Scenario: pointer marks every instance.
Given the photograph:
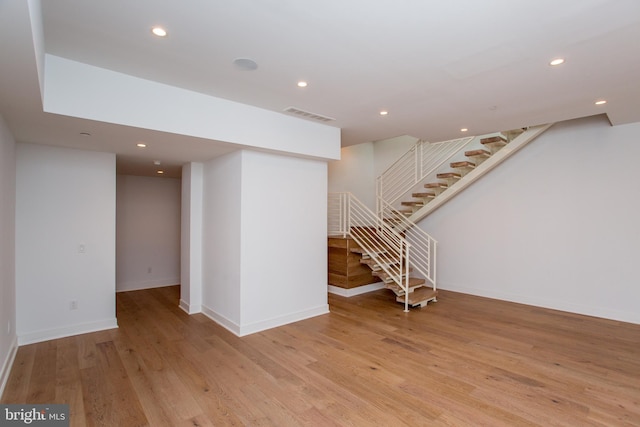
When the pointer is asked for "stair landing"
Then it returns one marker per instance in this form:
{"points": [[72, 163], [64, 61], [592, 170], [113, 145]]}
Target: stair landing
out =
{"points": [[414, 284], [420, 297]]}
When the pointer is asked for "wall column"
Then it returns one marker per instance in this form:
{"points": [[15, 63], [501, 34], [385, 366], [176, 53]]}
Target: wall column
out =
{"points": [[191, 239]]}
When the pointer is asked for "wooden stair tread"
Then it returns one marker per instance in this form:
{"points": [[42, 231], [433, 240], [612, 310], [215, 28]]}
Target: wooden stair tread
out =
{"points": [[385, 276], [423, 195], [414, 284], [420, 296], [392, 219], [477, 153], [413, 203], [494, 140], [462, 164], [376, 265], [436, 184], [448, 175], [359, 250]]}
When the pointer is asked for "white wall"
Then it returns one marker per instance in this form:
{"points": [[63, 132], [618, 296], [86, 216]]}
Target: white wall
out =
{"points": [[387, 151], [221, 253], [284, 240], [360, 165], [8, 338], [264, 240], [65, 242], [556, 225], [354, 173], [191, 238], [147, 232]]}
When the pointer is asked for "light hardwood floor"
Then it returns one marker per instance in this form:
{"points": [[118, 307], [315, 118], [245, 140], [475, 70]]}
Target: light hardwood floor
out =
{"points": [[464, 361]]}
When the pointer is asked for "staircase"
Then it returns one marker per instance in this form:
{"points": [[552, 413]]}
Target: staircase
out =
{"points": [[416, 291], [419, 192], [459, 169], [412, 290], [399, 252], [392, 255]]}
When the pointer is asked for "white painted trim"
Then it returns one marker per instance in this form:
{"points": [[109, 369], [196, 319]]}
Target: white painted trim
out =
{"points": [[604, 313], [67, 331], [184, 306], [263, 325], [8, 364], [355, 291], [149, 284], [221, 320]]}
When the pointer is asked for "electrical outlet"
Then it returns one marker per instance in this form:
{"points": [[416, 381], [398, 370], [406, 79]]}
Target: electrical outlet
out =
{"points": [[73, 305], [81, 248], [149, 270]]}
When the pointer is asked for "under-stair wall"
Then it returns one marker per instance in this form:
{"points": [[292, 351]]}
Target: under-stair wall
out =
{"points": [[556, 225]]}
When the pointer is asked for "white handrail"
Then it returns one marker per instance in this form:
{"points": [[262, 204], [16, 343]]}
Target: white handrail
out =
{"points": [[336, 225], [388, 248], [422, 160], [423, 246]]}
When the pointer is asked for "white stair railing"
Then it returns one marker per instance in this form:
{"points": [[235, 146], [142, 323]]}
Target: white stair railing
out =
{"points": [[388, 248], [423, 246], [422, 160], [389, 237], [337, 219]]}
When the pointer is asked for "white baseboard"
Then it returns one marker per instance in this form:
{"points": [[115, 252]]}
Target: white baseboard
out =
{"points": [[355, 291], [67, 331], [604, 313], [228, 324], [263, 325], [148, 284], [7, 364], [190, 309]]}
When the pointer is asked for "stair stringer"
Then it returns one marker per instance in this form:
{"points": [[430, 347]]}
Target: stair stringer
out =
{"points": [[500, 156]]}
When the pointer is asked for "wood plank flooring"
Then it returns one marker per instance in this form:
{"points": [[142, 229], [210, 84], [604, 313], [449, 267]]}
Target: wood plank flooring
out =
{"points": [[464, 361]]}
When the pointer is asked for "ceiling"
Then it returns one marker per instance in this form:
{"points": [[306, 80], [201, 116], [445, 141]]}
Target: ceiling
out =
{"points": [[435, 66]]}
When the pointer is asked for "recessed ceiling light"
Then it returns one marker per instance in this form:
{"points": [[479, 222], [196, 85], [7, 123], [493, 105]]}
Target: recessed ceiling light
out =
{"points": [[464, 130], [601, 102], [85, 134], [159, 31], [245, 64], [156, 162], [141, 145], [557, 61], [160, 172], [302, 84], [384, 112]]}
